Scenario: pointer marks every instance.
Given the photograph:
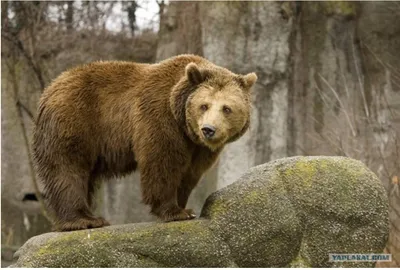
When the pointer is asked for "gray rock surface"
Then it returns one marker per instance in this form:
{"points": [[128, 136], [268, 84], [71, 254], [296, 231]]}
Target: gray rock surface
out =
{"points": [[289, 212], [318, 205]]}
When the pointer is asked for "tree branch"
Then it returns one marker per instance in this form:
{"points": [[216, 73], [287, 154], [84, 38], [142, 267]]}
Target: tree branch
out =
{"points": [[24, 108], [18, 43]]}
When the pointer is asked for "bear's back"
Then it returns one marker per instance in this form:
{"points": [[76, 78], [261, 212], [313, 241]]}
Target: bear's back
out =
{"points": [[86, 107], [93, 107], [100, 101]]}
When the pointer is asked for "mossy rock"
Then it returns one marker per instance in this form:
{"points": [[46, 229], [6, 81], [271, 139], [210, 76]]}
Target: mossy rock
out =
{"points": [[308, 205], [290, 212], [175, 244]]}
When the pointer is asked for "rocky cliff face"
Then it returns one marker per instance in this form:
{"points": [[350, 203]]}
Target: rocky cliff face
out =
{"points": [[252, 37]]}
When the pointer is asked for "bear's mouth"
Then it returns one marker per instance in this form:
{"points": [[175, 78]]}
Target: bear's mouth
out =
{"points": [[213, 142]]}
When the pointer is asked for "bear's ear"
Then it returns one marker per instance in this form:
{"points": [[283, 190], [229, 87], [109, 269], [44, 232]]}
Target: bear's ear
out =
{"points": [[249, 80], [194, 74]]}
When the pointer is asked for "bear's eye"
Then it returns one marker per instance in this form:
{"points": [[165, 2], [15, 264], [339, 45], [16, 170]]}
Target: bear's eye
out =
{"points": [[204, 107], [227, 110]]}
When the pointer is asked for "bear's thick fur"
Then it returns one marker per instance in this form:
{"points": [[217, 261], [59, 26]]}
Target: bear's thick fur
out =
{"points": [[170, 120]]}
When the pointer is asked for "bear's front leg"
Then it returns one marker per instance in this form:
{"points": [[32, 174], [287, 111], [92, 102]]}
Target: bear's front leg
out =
{"points": [[161, 173], [186, 187]]}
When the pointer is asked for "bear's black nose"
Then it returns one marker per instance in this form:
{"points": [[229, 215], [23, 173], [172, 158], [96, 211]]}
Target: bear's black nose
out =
{"points": [[208, 131]]}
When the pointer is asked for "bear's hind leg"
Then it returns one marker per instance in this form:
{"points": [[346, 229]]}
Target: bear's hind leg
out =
{"points": [[67, 195]]}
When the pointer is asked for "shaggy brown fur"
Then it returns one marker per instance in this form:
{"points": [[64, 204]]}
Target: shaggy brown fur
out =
{"points": [[106, 119]]}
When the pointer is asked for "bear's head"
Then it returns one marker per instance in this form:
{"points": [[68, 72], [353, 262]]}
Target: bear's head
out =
{"points": [[212, 104]]}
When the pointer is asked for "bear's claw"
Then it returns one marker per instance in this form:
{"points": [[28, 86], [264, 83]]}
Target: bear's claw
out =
{"points": [[191, 213], [179, 216], [82, 224]]}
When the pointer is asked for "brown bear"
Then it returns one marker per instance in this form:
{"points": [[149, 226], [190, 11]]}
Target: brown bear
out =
{"points": [[169, 120]]}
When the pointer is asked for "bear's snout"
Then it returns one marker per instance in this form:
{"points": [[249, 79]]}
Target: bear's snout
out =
{"points": [[208, 131]]}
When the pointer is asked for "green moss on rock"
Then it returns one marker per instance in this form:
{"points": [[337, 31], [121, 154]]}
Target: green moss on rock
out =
{"points": [[322, 203], [299, 262], [304, 170], [345, 8]]}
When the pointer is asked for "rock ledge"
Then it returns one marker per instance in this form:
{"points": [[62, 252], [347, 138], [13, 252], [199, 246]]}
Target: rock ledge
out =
{"points": [[288, 212]]}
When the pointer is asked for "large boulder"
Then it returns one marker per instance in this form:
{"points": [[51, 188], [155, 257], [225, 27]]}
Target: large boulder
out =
{"points": [[289, 212], [300, 209]]}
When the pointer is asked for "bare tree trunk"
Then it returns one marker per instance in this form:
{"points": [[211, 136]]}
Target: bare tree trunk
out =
{"points": [[131, 10], [28, 20], [4, 14], [69, 18]]}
